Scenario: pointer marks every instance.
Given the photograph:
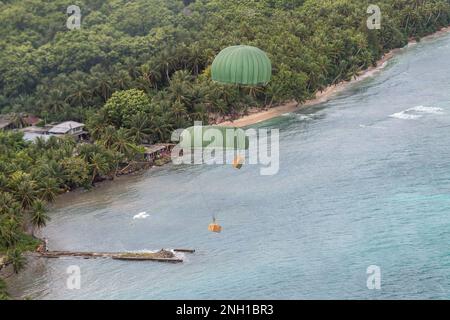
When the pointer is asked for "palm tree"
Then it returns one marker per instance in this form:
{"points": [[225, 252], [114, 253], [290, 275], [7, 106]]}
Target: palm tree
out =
{"points": [[67, 145], [39, 217], [104, 85], [3, 293], [52, 142], [48, 189], [161, 128], [52, 168], [25, 193], [87, 150], [151, 74], [179, 112], [10, 218], [14, 215], [55, 102], [40, 143], [121, 80], [140, 130], [196, 57], [130, 64], [99, 165], [15, 258], [124, 143], [6, 201], [200, 113], [108, 137], [9, 232], [116, 158], [17, 120], [168, 60], [3, 182], [96, 124], [80, 90]]}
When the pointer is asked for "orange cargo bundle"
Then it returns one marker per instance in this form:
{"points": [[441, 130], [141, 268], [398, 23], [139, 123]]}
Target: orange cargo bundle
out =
{"points": [[238, 162], [214, 227]]}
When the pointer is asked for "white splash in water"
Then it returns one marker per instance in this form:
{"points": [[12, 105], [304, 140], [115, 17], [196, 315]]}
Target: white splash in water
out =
{"points": [[405, 116], [301, 117], [422, 109], [142, 215], [371, 126], [416, 112]]}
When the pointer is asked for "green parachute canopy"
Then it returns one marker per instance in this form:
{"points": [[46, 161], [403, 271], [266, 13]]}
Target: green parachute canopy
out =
{"points": [[228, 138], [243, 65]]}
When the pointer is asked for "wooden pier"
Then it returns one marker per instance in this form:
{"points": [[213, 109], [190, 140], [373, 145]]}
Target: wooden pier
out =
{"points": [[184, 250], [160, 256]]}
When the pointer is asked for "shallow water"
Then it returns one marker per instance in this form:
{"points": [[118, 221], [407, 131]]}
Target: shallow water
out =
{"points": [[363, 180]]}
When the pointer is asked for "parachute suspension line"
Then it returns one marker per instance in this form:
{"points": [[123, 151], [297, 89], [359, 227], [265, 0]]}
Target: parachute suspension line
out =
{"points": [[207, 208]]}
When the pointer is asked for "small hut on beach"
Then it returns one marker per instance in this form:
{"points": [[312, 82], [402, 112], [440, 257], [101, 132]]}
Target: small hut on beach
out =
{"points": [[157, 151]]}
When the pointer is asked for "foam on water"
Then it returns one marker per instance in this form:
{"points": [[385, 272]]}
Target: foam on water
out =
{"points": [[371, 126], [405, 116], [422, 109], [141, 215], [416, 112], [301, 117]]}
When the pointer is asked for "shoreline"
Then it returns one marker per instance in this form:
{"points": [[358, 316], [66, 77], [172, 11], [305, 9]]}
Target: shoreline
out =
{"points": [[328, 93], [273, 112], [260, 116]]}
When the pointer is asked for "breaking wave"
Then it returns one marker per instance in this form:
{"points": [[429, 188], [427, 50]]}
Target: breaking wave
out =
{"points": [[301, 117], [416, 112]]}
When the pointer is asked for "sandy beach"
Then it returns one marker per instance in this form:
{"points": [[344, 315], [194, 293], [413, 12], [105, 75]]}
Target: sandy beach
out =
{"points": [[325, 95]]}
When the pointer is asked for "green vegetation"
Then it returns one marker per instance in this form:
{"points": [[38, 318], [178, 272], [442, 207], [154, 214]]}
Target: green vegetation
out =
{"points": [[165, 49], [3, 292], [137, 70], [33, 174]]}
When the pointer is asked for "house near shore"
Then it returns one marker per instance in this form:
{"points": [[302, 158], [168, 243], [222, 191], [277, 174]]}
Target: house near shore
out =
{"points": [[28, 125], [17, 121], [69, 128], [5, 124], [156, 151]]}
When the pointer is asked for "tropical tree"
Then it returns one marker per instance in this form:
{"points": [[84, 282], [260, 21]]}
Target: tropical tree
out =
{"points": [[108, 137], [16, 259], [48, 189], [139, 128], [124, 143], [25, 193], [150, 75], [124, 104], [99, 166], [3, 293], [76, 172], [17, 120], [39, 217], [10, 232]]}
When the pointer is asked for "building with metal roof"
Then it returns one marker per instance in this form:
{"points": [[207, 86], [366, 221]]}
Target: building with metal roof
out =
{"points": [[72, 128]]}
